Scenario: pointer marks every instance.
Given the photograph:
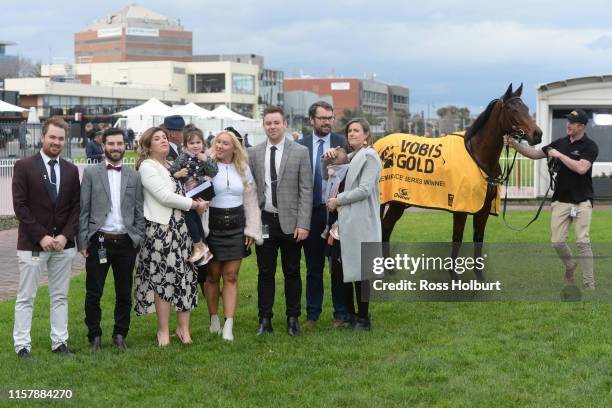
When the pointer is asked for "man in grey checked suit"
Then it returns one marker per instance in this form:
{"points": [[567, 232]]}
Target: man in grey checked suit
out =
{"points": [[111, 228], [283, 174]]}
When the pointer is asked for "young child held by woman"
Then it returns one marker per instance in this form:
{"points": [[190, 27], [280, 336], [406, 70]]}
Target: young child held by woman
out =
{"points": [[193, 167]]}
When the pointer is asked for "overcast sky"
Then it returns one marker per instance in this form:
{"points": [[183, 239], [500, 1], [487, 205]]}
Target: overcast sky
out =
{"points": [[447, 52]]}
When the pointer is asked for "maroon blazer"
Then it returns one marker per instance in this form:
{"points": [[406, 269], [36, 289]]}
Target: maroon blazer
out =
{"points": [[33, 204]]}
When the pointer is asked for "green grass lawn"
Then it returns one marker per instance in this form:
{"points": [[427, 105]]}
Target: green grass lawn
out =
{"points": [[544, 354]]}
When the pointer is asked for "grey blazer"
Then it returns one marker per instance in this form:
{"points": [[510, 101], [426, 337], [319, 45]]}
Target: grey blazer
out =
{"points": [[294, 187], [96, 203]]}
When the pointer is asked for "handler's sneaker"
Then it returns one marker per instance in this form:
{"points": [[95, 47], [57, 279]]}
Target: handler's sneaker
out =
{"points": [[569, 274]]}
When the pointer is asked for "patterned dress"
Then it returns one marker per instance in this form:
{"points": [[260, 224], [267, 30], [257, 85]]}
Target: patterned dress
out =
{"points": [[162, 265]]}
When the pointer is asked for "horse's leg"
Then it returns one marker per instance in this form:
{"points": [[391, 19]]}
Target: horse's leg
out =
{"points": [[480, 222], [389, 218], [459, 219]]}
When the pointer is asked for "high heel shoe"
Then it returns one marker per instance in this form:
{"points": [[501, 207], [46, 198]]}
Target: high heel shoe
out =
{"points": [[186, 340], [197, 252], [161, 341]]}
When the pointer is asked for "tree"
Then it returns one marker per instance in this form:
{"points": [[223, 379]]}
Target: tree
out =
{"points": [[453, 118], [20, 67], [348, 114]]}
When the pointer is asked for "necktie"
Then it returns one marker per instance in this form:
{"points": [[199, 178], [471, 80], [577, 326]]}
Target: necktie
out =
{"points": [[317, 190], [53, 178], [111, 167], [273, 177]]}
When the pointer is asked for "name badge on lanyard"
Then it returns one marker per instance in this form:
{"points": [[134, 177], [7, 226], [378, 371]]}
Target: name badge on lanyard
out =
{"points": [[102, 250]]}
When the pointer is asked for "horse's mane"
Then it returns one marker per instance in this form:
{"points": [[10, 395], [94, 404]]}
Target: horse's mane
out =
{"points": [[480, 120]]}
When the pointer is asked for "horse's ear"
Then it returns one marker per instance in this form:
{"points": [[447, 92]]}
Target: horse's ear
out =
{"points": [[508, 93], [519, 90]]}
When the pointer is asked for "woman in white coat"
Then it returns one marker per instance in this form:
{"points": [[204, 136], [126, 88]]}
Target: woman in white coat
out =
{"points": [[358, 207], [164, 277]]}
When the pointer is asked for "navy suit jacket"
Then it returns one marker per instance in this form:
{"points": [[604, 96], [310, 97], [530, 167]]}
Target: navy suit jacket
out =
{"points": [[335, 141]]}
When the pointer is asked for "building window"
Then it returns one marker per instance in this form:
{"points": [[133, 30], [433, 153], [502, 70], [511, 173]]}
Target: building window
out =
{"points": [[244, 109], [206, 83], [191, 83], [243, 84]]}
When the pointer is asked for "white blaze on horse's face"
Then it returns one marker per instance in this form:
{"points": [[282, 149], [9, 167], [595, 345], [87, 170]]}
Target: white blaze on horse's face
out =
{"points": [[356, 136]]}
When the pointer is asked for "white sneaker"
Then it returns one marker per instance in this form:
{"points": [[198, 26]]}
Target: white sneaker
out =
{"points": [[215, 325], [227, 330]]}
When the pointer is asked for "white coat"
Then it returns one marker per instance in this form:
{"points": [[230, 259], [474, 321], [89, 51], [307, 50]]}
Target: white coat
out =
{"points": [[359, 210]]}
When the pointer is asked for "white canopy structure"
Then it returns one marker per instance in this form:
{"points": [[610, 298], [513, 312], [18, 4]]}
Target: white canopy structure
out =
{"points": [[152, 107], [191, 109], [223, 112], [7, 107]]}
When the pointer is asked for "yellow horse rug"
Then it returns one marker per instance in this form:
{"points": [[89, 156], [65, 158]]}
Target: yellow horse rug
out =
{"points": [[433, 173]]}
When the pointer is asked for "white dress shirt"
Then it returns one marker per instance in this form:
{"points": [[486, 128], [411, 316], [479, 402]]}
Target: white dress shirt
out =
{"points": [[114, 220], [268, 179], [55, 168]]}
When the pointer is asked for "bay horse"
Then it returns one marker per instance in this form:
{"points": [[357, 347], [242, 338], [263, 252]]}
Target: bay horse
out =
{"points": [[507, 115]]}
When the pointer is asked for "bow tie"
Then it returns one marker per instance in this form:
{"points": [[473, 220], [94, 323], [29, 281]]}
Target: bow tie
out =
{"points": [[111, 167]]}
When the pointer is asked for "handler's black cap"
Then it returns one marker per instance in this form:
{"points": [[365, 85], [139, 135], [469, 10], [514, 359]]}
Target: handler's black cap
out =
{"points": [[578, 116]]}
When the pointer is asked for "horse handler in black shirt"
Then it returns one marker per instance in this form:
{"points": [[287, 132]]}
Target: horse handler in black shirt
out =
{"points": [[572, 201]]}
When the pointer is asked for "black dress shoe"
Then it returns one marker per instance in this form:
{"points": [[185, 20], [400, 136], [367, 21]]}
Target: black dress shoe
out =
{"points": [[362, 324], [63, 349], [24, 354], [265, 326], [293, 328], [119, 341], [95, 344]]}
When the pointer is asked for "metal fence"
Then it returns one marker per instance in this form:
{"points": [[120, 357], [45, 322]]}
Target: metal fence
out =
{"points": [[6, 177], [521, 185], [20, 139], [522, 178]]}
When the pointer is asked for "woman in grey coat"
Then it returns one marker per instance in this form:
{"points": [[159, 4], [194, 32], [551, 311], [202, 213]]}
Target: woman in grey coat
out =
{"points": [[358, 207]]}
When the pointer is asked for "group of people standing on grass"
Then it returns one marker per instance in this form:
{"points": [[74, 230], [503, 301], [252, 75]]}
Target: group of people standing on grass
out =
{"points": [[279, 195]]}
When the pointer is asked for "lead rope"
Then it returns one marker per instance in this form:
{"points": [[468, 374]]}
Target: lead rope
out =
{"points": [[551, 185]]}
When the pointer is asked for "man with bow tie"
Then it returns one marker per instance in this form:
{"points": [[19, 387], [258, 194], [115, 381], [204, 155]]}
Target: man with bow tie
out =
{"points": [[111, 228], [46, 203]]}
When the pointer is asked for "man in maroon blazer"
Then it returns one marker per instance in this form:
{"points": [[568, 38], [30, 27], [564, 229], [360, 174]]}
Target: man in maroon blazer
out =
{"points": [[46, 202]]}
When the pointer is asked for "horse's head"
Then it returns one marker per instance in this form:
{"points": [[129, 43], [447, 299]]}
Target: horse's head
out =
{"points": [[516, 118]]}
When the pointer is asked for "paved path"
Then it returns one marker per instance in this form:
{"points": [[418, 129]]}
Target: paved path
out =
{"points": [[9, 270]]}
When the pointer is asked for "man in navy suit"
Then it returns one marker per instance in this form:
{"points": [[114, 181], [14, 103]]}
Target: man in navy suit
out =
{"points": [[321, 116], [46, 202]]}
